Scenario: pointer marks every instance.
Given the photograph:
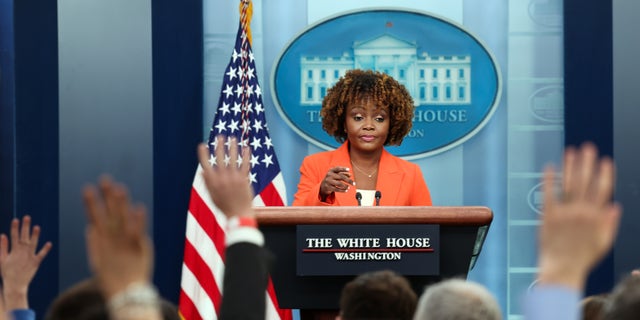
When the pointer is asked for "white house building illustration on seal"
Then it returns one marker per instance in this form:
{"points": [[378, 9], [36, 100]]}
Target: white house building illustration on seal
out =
{"points": [[431, 80]]}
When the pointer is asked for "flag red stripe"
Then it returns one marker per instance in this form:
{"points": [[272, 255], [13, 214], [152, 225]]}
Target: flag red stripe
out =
{"points": [[285, 314], [188, 310], [207, 221], [203, 274], [270, 196]]}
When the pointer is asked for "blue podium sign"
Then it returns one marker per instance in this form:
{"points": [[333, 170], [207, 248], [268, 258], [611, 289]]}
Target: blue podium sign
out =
{"points": [[324, 250]]}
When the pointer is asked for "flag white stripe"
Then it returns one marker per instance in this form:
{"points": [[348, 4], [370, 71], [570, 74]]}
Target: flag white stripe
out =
{"points": [[206, 249], [198, 296], [257, 201], [278, 183], [271, 312]]}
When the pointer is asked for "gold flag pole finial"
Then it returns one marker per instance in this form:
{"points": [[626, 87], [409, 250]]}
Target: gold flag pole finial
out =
{"points": [[246, 12]]}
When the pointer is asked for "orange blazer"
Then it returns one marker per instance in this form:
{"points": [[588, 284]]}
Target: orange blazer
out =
{"points": [[399, 181]]}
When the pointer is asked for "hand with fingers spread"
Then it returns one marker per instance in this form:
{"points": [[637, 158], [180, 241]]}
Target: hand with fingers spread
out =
{"points": [[119, 249], [3, 311], [338, 179], [19, 265], [579, 227], [228, 185]]}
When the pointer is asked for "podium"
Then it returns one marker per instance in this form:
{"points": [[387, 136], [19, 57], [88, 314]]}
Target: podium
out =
{"points": [[462, 233]]}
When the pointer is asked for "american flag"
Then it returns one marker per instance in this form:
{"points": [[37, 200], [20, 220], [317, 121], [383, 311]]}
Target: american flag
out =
{"points": [[240, 113]]}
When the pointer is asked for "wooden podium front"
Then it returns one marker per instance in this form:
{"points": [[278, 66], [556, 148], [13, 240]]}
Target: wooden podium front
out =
{"points": [[462, 233]]}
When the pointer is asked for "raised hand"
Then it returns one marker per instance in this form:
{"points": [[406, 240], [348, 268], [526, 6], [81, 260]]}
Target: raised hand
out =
{"points": [[19, 265], [119, 249], [228, 184], [580, 224], [3, 312]]}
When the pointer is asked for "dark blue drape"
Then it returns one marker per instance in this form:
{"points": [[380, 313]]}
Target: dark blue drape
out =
{"points": [[588, 92], [177, 129], [29, 122]]}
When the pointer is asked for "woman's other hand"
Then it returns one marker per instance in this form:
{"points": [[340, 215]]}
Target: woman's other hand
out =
{"points": [[338, 179]]}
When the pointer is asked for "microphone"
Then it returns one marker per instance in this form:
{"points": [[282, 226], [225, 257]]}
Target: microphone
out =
{"points": [[359, 198], [378, 196]]}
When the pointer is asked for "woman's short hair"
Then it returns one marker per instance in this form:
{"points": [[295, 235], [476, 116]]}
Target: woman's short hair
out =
{"points": [[357, 85]]}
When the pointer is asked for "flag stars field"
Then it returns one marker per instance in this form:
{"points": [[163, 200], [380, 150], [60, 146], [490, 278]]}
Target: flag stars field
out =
{"points": [[221, 126], [233, 126], [255, 144], [257, 125], [267, 142], [254, 160], [231, 73], [225, 108], [228, 91], [237, 108]]}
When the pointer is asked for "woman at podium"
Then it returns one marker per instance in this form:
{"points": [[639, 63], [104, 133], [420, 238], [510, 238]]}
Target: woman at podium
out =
{"points": [[365, 111]]}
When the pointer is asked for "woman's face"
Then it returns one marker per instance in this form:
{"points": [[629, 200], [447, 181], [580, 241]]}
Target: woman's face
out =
{"points": [[367, 125]]}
